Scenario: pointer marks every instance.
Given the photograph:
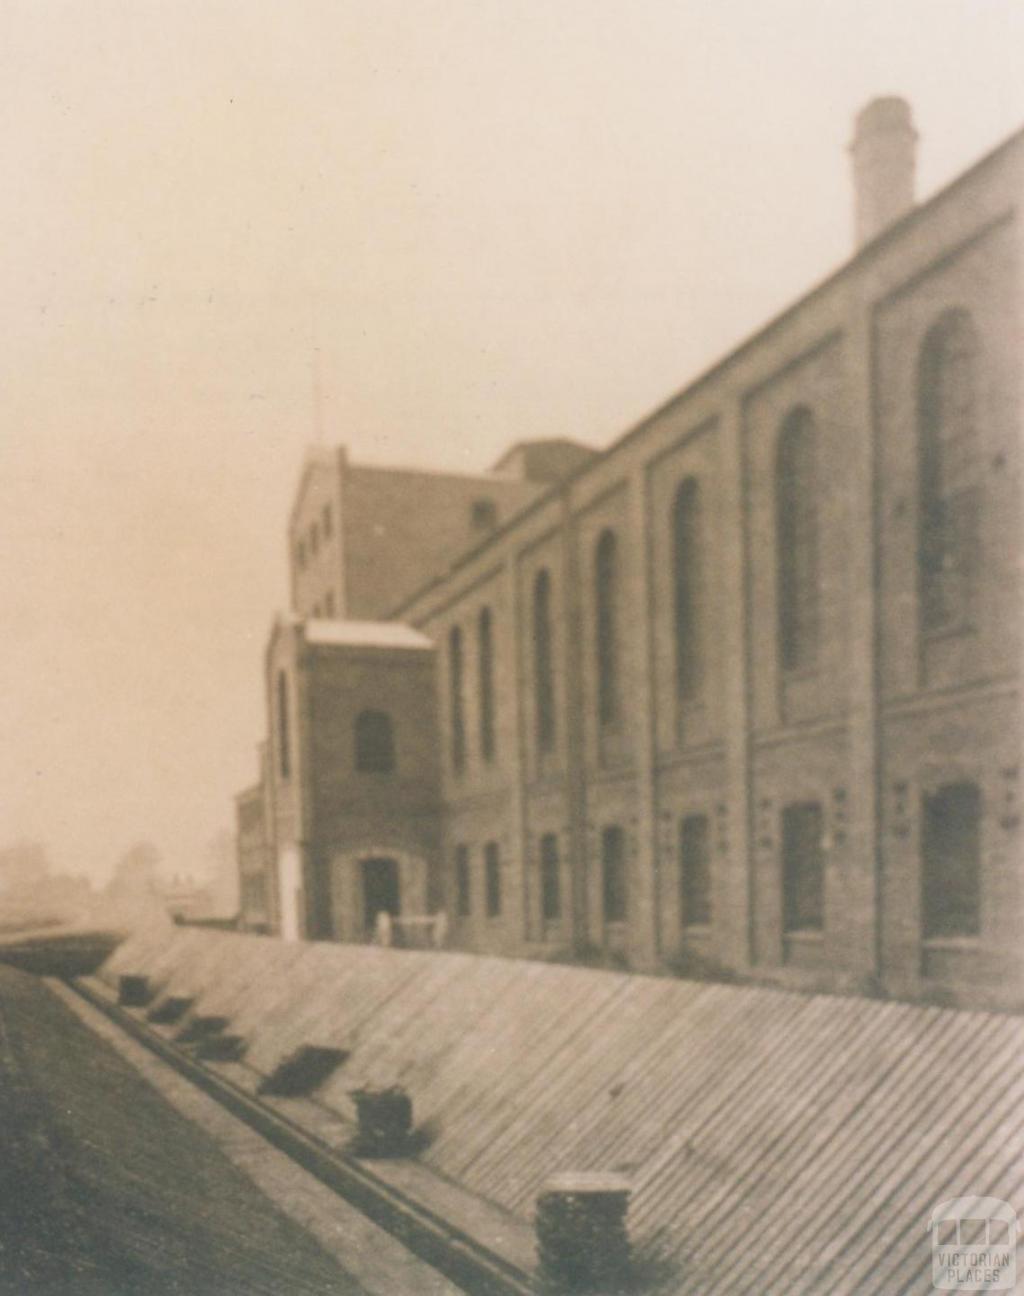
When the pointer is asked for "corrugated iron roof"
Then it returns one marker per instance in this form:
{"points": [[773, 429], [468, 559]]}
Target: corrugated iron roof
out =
{"points": [[776, 1142]]}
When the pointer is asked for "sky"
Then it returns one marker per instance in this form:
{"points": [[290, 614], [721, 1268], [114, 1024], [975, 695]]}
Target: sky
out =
{"points": [[487, 219]]}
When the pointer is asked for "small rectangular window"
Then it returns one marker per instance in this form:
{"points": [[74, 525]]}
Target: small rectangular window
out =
{"points": [[492, 866], [325, 521], [484, 514], [329, 603]]}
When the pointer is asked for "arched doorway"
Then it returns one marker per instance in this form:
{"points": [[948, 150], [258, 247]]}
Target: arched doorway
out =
{"points": [[381, 890]]}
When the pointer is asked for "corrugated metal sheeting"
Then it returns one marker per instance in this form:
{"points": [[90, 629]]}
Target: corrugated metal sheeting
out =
{"points": [[776, 1142]]}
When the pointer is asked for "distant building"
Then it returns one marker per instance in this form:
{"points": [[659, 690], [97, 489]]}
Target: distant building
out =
{"points": [[740, 693]]}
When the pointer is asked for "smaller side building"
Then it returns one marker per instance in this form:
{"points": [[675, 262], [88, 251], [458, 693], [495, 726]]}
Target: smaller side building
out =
{"points": [[352, 777]]}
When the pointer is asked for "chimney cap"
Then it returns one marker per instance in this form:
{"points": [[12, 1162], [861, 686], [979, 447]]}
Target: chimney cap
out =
{"points": [[882, 115]]}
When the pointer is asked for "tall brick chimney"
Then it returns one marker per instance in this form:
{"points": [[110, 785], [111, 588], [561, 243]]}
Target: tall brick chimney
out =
{"points": [[883, 152]]}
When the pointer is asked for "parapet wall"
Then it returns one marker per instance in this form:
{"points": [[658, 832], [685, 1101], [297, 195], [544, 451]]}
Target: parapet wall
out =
{"points": [[774, 1141]]}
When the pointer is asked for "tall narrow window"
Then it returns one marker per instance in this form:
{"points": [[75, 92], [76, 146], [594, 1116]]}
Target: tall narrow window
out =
{"points": [[375, 743], [284, 754], [543, 662], [606, 628], [550, 879], [485, 645], [796, 531], [492, 879], [456, 715], [803, 867], [463, 894], [326, 521], [949, 508], [686, 580], [950, 872], [613, 874], [695, 870]]}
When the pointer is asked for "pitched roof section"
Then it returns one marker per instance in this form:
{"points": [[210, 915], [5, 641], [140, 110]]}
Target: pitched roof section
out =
{"points": [[775, 1142]]}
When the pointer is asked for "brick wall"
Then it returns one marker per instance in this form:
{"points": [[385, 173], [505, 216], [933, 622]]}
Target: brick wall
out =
{"points": [[759, 737]]}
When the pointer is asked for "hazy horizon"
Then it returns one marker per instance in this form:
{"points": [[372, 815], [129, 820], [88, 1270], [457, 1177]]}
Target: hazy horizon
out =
{"points": [[493, 222]]}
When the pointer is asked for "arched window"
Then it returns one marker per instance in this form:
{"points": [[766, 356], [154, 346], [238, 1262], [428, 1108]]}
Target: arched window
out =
{"points": [[284, 754], [492, 879], [949, 507], [686, 573], [613, 874], [485, 646], [695, 870], [457, 717], [803, 867], [606, 595], [543, 663], [375, 743], [796, 531], [950, 859], [550, 879]]}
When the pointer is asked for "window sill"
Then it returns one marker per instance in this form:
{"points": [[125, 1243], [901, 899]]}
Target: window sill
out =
{"points": [[805, 936], [967, 944], [697, 929]]}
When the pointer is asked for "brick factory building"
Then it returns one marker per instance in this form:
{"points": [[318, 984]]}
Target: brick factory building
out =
{"points": [[739, 694]]}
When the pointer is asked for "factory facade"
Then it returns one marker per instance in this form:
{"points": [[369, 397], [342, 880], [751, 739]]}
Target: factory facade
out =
{"points": [[738, 696]]}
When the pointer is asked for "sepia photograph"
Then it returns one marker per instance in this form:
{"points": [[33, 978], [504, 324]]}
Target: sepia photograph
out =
{"points": [[511, 547]]}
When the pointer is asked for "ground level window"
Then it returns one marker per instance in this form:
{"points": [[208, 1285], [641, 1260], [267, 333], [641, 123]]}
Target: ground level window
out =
{"points": [[463, 894], [492, 878], [950, 859], [803, 867], [695, 868], [613, 874], [435, 887], [550, 879]]}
